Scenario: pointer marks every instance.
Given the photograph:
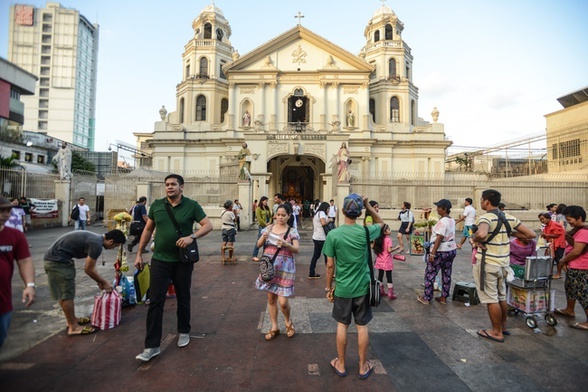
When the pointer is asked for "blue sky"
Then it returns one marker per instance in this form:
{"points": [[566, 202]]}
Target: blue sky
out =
{"points": [[492, 68]]}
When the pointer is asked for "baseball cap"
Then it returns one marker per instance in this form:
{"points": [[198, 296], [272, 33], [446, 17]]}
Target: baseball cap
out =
{"points": [[443, 203], [5, 203], [352, 205]]}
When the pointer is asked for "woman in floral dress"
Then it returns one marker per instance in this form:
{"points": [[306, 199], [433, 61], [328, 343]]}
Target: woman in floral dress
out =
{"points": [[282, 285]]}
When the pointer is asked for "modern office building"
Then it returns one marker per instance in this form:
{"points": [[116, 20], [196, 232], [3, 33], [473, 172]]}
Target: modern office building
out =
{"points": [[60, 46], [15, 84]]}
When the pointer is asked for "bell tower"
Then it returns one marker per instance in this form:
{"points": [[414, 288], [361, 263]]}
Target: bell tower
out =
{"points": [[393, 97], [202, 95]]}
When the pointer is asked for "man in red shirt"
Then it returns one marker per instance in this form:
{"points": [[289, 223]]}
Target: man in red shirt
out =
{"points": [[13, 247], [555, 235]]}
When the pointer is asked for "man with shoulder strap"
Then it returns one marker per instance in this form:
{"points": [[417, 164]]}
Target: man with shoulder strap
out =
{"points": [[492, 260], [139, 214], [166, 263]]}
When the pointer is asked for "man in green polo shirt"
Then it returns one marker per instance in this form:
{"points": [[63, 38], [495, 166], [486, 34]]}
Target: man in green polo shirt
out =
{"points": [[166, 264], [346, 248]]}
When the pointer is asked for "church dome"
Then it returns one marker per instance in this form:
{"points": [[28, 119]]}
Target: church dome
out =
{"points": [[383, 10], [211, 8]]}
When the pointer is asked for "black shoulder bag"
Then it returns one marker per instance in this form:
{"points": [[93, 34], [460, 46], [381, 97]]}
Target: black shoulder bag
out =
{"points": [[266, 263], [189, 254], [501, 220], [374, 283]]}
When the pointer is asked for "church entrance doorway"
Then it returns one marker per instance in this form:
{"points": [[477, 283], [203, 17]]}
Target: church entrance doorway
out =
{"points": [[298, 177]]}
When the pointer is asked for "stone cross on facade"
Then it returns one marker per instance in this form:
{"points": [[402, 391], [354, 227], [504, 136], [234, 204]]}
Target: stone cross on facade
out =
{"points": [[299, 16]]}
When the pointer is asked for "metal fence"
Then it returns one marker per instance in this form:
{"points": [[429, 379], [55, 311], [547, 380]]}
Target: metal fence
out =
{"points": [[207, 187], [16, 182], [420, 189]]}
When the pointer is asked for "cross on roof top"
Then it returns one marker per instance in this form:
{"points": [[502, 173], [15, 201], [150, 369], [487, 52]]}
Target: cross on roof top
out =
{"points": [[299, 16]]}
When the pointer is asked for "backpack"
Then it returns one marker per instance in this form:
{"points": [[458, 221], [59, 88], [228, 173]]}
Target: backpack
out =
{"points": [[75, 213]]}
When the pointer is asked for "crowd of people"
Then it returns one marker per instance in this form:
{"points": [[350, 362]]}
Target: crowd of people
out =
{"points": [[497, 239]]}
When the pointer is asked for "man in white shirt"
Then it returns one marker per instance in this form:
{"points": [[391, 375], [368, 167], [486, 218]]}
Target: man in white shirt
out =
{"points": [[469, 216], [84, 215], [332, 210], [237, 210]]}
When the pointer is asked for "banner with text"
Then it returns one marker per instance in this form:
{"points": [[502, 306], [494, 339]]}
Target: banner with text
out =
{"points": [[44, 208]]}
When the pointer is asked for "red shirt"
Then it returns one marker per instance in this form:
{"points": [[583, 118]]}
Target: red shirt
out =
{"points": [[556, 229], [13, 246], [580, 262]]}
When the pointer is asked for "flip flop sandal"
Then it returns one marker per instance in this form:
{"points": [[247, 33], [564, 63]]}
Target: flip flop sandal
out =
{"points": [[340, 374], [579, 326], [84, 320], [562, 313], [486, 335], [422, 300], [87, 330], [367, 374]]}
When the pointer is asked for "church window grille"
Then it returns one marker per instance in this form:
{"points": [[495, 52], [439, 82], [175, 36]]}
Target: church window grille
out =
{"points": [[201, 108], [412, 113], [388, 32], [377, 36], [220, 71], [373, 109], [187, 71], [224, 108], [219, 34], [207, 31], [392, 67], [203, 67], [394, 110]]}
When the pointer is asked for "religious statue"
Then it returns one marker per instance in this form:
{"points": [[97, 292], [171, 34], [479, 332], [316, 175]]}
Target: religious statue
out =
{"points": [[435, 114], [350, 119], [243, 161], [162, 113], [246, 119], [343, 162], [236, 55], [63, 161]]}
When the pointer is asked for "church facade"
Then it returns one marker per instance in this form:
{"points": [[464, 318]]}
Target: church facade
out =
{"points": [[295, 100]]}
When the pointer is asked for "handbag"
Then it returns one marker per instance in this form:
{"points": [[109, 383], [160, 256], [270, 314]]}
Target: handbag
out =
{"points": [[189, 254], [136, 228], [141, 282], [107, 310], [374, 283], [328, 227], [266, 263]]}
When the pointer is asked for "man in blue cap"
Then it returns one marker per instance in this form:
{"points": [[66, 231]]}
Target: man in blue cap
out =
{"points": [[347, 248]]}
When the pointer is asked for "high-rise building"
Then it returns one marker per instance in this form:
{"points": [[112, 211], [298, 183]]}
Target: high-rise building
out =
{"points": [[60, 46]]}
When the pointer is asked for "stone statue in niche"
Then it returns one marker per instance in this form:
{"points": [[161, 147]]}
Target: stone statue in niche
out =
{"points": [[350, 119], [246, 119]]}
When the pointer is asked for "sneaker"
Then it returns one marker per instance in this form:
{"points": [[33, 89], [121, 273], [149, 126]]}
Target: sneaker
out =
{"points": [[148, 353], [183, 339], [315, 276]]}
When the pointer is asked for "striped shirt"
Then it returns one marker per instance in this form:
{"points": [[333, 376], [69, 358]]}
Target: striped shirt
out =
{"points": [[497, 250]]}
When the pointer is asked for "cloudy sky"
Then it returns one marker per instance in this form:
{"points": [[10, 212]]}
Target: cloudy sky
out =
{"points": [[492, 68]]}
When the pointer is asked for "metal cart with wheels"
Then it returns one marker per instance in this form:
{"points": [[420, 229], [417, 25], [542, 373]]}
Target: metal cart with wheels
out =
{"points": [[531, 294]]}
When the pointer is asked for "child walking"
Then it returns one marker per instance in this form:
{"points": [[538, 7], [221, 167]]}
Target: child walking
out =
{"points": [[384, 263]]}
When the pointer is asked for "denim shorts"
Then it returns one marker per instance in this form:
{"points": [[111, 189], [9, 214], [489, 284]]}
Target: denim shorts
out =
{"points": [[229, 235]]}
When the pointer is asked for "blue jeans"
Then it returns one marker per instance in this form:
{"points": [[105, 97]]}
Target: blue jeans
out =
{"points": [[4, 325], [80, 224], [255, 247]]}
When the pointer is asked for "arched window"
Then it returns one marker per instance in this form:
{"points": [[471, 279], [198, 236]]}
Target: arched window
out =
{"points": [[392, 67], [373, 109], [201, 108], [377, 36], [207, 31], [394, 110], [224, 108], [388, 32], [203, 67], [181, 110], [412, 112]]}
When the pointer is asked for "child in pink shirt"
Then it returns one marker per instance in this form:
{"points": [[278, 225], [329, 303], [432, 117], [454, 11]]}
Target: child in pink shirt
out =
{"points": [[384, 263]]}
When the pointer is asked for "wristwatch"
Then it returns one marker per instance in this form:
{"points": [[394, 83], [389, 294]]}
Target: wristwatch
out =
{"points": [[193, 236], [31, 285]]}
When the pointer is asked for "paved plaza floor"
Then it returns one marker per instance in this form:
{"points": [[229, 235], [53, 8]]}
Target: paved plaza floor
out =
{"points": [[412, 346]]}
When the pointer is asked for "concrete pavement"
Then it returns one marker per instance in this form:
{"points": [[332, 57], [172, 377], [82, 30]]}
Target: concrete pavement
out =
{"points": [[413, 347]]}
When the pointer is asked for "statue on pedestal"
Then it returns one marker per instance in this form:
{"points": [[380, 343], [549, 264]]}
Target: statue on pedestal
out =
{"points": [[343, 162], [244, 163], [162, 113], [435, 114], [63, 161]]}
